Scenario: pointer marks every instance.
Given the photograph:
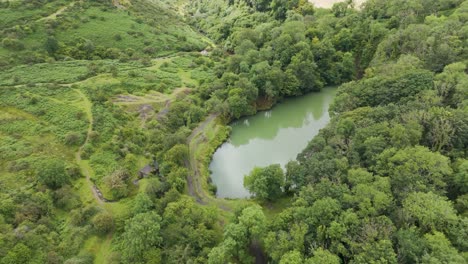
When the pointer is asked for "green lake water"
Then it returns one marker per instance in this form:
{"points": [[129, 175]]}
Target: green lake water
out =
{"points": [[269, 137]]}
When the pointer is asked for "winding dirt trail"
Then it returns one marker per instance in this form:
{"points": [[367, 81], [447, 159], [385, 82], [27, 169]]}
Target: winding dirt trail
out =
{"points": [[330, 3], [195, 187], [79, 161], [57, 13]]}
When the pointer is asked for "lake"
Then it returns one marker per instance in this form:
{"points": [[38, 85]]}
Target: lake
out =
{"points": [[269, 137]]}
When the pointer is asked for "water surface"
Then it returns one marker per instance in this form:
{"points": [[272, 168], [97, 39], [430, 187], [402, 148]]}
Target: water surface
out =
{"points": [[269, 137]]}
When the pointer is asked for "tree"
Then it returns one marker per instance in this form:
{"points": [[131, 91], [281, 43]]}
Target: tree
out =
{"points": [[238, 104], [278, 243], [440, 250], [178, 154], [304, 68], [12, 44], [292, 257], [429, 211], [440, 127], [377, 252], [414, 169], [345, 128], [265, 183], [103, 222], [280, 7], [177, 178], [295, 176], [117, 183], [142, 203], [73, 139], [323, 256], [141, 234], [446, 83], [52, 173], [19, 254], [51, 45], [460, 178], [411, 245], [239, 236]]}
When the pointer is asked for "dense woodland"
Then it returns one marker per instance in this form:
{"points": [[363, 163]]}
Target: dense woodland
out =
{"points": [[92, 91]]}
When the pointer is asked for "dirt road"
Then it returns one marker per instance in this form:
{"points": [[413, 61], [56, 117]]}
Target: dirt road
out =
{"points": [[195, 187], [329, 3]]}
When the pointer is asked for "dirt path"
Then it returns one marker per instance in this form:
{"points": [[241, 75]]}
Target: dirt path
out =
{"points": [[121, 4], [79, 161], [195, 187], [58, 12], [330, 3], [202, 126]]}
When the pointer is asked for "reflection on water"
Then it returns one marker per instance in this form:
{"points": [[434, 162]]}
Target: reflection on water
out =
{"points": [[294, 113], [270, 137]]}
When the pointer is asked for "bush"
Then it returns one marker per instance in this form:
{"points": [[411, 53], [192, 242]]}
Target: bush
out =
{"points": [[12, 44], [73, 139], [149, 50], [52, 173], [103, 222], [51, 45], [117, 183], [65, 198], [118, 37]]}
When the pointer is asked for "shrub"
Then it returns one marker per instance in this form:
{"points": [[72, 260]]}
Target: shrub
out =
{"points": [[52, 173], [73, 139], [51, 45], [118, 37], [12, 44], [117, 183], [103, 222], [149, 50]]}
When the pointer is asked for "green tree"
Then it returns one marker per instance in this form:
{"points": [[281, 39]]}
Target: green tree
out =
{"points": [[440, 250], [292, 257], [411, 245], [141, 234], [460, 178], [177, 178], [414, 169], [278, 243], [265, 183], [238, 103], [323, 256], [377, 252], [446, 83], [52, 173], [178, 154], [142, 203], [19, 254], [51, 45], [295, 177], [429, 211], [345, 128], [103, 222], [248, 228], [440, 127], [117, 183]]}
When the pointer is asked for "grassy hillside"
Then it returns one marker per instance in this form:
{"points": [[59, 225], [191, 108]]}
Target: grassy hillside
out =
{"points": [[83, 87], [57, 30]]}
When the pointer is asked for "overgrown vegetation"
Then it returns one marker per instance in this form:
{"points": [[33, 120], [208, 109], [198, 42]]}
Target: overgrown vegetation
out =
{"points": [[92, 91]]}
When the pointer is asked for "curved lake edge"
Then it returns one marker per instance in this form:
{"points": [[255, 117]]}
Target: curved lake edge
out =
{"points": [[213, 187]]}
